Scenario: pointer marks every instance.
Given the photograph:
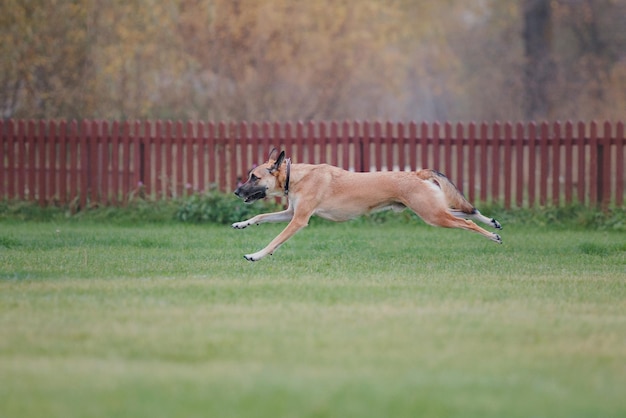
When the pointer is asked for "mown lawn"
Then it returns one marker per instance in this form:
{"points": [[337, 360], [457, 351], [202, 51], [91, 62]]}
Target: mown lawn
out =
{"points": [[353, 319]]}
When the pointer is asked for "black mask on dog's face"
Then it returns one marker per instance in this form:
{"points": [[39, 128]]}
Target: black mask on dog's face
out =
{"points": [[260, 180]]}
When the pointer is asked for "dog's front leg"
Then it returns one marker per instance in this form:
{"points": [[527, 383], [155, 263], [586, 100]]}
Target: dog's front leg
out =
{"points": [[282, 216], [296, 224]]}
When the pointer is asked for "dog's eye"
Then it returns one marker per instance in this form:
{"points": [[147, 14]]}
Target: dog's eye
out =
{"points": [[253, 177]]}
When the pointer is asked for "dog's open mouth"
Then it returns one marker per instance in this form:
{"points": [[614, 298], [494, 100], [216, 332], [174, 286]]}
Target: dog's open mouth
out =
{"points": [[255, 196]]}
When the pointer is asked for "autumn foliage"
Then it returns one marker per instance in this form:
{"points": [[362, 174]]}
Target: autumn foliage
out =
{"points": [[315, 59]]}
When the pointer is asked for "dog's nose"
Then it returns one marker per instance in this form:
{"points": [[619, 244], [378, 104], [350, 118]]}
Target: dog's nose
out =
{"points": [[237, 191]]}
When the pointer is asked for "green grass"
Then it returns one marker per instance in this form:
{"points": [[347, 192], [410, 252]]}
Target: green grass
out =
{"points": [[402, 320]]}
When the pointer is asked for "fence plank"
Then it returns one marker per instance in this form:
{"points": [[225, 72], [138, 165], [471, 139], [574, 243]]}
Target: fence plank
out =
{"points": [[288, 139], [389, 146], [41, 147], [74, 173], [532, 166], [366, 142], [333, 144], [424, 145], [137, 158], [11, 162], [544, 163], [211, 144], [447, 150], [580, 141], [604, 183], [376, 131], [245, 140], [460, 159], [413, 146], [179, 184], [356, 144], [232, 166], [620, 147], [471, 154], [63, 153], [556, 164], [5, 140], [221, 154], [146, 161], [519, 164], [103, 151], [495, 161], [345, 144], [484, 161], [508, 164], [201, 147], [21, 160], [190, 154], [126, 167], [436, 147], [401, 147], [593, 164], [569, 129]]}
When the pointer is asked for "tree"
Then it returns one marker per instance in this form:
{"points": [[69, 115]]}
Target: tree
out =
{"points": [[538, 52]]}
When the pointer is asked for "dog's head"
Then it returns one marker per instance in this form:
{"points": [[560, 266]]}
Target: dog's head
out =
{"points": [[263, 180]]}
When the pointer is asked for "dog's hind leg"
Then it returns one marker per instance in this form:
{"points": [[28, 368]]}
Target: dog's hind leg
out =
{"points": [[435, 213], [476, 216], [447, 220]]}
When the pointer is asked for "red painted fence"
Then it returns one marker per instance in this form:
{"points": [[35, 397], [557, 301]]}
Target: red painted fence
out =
{"points": [[102, 163]]}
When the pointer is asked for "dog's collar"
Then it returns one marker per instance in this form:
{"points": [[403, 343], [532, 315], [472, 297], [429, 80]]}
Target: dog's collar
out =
{"points": [[288, 175]]}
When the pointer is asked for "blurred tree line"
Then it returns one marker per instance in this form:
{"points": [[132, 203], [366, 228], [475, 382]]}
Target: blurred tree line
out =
{"points": [[315, 59]]}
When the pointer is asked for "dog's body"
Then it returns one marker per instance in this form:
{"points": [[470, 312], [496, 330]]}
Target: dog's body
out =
{"points": [[339, 195]]}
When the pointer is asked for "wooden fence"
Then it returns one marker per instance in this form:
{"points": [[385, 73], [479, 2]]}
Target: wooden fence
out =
{"points": [[103, 163]]}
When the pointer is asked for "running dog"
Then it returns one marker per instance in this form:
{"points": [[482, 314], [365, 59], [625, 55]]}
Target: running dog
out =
{"points": [[339, 195]]}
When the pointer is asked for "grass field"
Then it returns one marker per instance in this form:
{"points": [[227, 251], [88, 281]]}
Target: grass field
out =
{"points": [[392, 320]]}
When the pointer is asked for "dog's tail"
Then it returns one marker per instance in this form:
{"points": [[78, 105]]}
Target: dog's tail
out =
{"points": [[454, 198]]}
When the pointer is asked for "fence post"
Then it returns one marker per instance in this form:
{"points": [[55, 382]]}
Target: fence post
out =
{"points": [[594, 175], [604, 166], [580, 142], [544, 161], [413, 146], [73, 170], [519, 156], [484, 162], [42, 163], [619, 165], [568, 162], [508, 164], [471, 151], [460, 160], [556, 163], [532, 160], [495, 160], [11, 160], [363, 157]]}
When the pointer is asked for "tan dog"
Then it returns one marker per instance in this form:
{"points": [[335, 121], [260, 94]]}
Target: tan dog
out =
{"points": [[339, 195]]}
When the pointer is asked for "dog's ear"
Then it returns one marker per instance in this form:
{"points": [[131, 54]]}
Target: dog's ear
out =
{"points": [[278, 162], [269, 156]]}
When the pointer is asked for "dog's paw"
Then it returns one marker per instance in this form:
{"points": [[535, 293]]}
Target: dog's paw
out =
{"points": [[496, 238], [240, 225], [255, 257], [496, 224], [252, 257]]}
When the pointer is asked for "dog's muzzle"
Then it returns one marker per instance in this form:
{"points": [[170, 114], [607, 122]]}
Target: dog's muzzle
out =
{"points": [[250, 194]]}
